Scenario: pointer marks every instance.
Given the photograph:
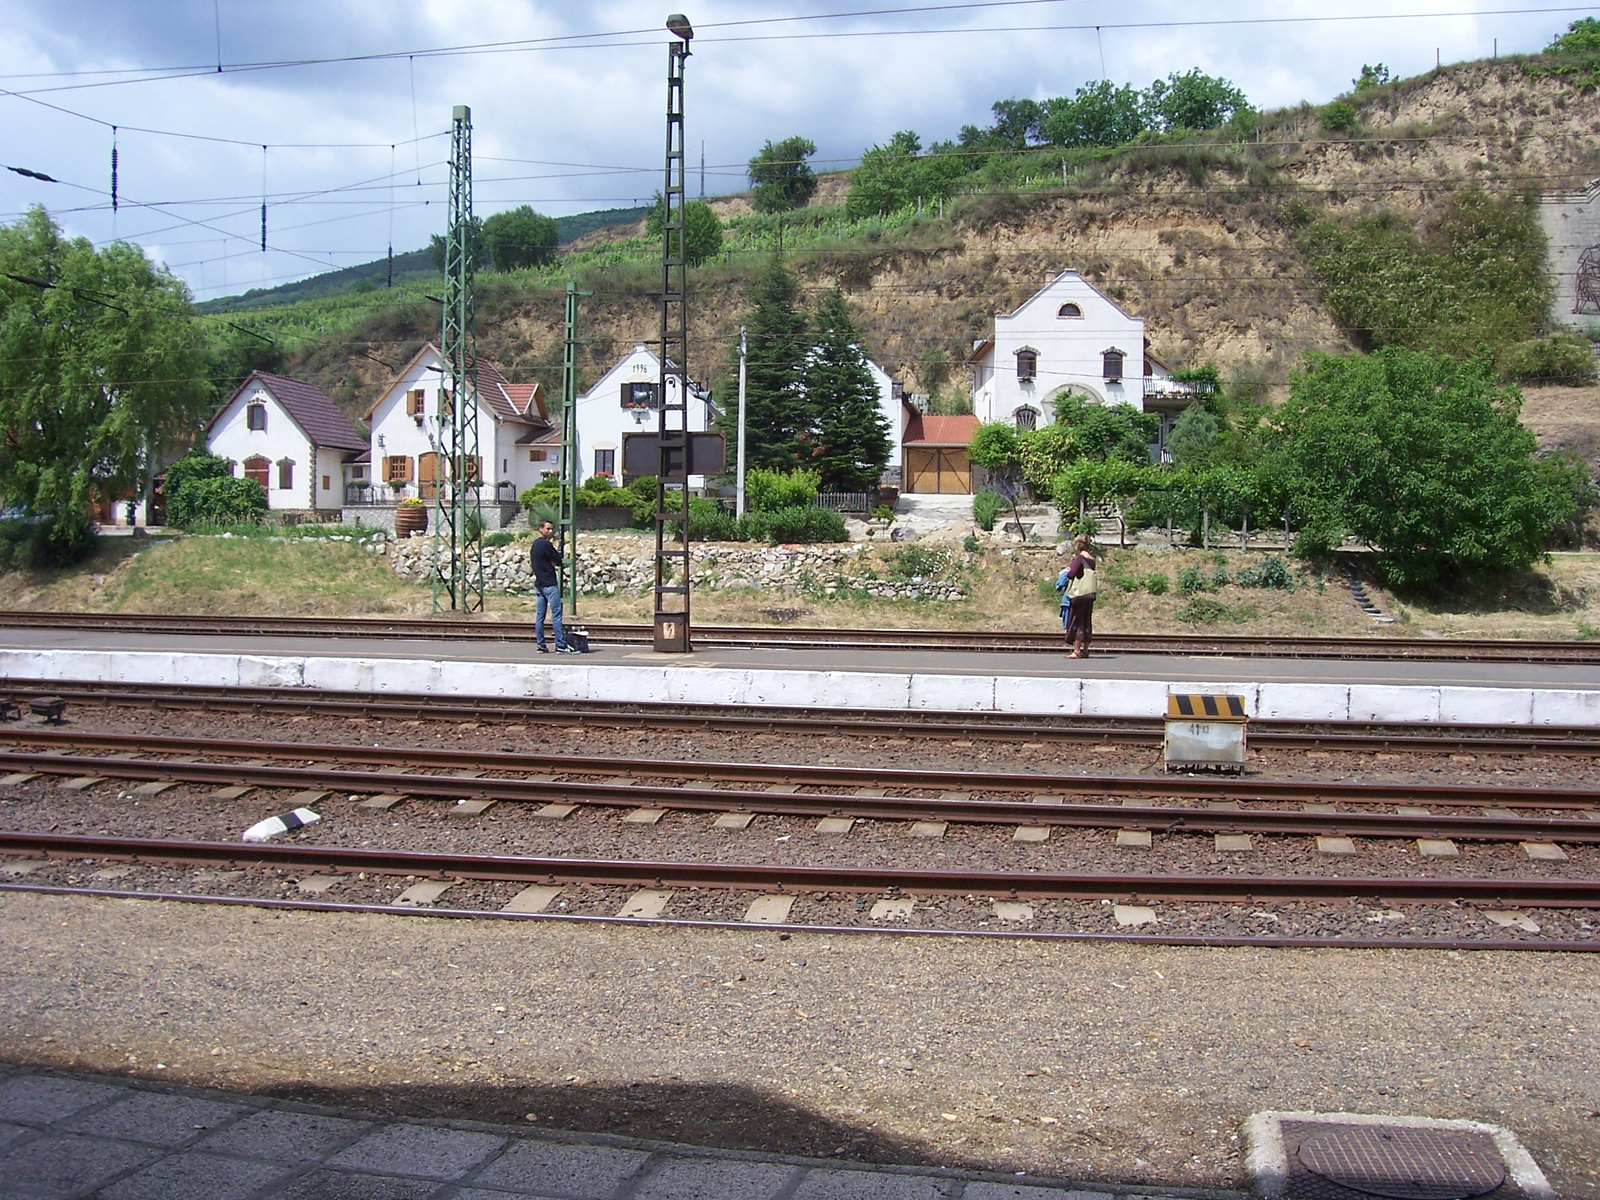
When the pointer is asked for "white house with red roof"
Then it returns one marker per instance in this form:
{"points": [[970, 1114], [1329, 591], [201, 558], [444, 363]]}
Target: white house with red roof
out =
{"points": [[405, 439], [290, 437], [621, 403]]}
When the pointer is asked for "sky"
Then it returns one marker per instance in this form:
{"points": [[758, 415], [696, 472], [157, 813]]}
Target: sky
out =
{"points": [[568, 100]]}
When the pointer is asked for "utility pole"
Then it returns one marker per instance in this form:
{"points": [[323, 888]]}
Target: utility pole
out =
{"points": [[672, 425], [458, 469], [567, 507], [738, 506]]}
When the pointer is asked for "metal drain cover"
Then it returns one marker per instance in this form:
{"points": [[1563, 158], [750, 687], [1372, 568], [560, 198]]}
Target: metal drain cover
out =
{"points": [[1405, 1163]]}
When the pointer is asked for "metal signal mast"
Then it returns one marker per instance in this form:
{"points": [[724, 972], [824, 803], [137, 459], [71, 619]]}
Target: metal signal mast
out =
{"points": [[458, 467], [567, 501], [672, 476]]}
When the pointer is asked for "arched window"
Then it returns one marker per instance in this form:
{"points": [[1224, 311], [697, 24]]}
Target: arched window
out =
{"points": [[1027, 419], [1027, 365], [1069, 309]]}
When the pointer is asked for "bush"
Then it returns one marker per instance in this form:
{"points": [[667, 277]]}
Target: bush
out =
{"points": [[502, 537], [1339, 117], [986, 506], [1156, 583], [545, 493], [180, 480], [1203, 611], [1268, 573], [798, 523], [883, 513], [541, 511], [1562, 356], [39, 543], [598, 490], [1219, 577], [993, 446], [914, 562], [773, 491], [971, 544], [710, 522], [1191, 581], [217, 501]]}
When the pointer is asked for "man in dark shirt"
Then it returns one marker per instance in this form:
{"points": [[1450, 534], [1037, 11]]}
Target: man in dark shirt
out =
{"points": [[547, 564]]}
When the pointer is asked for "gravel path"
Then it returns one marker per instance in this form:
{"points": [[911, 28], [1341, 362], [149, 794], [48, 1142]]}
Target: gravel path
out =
{"points": [[1120, 1062]]}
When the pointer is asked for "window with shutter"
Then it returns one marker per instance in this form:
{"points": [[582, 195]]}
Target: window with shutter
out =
{"points": [[257, 468], [416, 402], [285, 473], [535, 455], [256, 416]]}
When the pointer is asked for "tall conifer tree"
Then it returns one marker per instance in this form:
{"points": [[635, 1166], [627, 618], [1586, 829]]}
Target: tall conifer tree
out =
{"points": [[851, 438], [776, 418]]}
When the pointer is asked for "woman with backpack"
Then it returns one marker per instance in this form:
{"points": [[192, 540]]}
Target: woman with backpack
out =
{"points": [[1077, 585]]}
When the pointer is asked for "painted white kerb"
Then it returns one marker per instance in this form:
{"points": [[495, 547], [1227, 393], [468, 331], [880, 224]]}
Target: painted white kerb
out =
{"points": [[883, 691]]}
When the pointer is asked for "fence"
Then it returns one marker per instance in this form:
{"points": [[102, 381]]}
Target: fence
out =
{"points": [[851, 502]]}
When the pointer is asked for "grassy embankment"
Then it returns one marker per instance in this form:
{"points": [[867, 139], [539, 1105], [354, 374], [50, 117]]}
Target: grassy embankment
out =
{"points": [[298, 576]]}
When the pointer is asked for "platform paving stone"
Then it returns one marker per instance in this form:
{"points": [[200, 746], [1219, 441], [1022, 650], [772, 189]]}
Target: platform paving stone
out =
{"points": [[192, 1176], [269, 1149], [154, 1119], [68, 1165], [419, 1150]]}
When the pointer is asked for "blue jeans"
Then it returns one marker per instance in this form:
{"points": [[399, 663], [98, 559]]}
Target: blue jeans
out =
{"points": [[549, 597]]}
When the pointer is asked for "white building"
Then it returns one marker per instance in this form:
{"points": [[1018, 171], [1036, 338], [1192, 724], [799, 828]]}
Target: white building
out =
{"points": [[288, 436], [890, 405], [406, 439], [1069, 337], [623, 402]]}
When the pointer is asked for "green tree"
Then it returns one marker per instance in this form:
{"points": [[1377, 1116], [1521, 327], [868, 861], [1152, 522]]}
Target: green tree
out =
{"points": [[780, 177], [898, 175], [1192, 100], [1424, 459], [1016, 123], [1195, 437], [852, 434], [520, 237], [1371, 77], [775, 403], [1581, 37], [477, 252], [994, 446], [702, 230], [102, 368], [1100, 114]]}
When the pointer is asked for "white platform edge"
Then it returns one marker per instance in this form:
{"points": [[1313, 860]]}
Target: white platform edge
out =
{"points": [[873, 691], [1267, 1164]]}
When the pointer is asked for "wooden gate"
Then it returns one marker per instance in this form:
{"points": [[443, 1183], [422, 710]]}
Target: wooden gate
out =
{"points": [[932, 470]]}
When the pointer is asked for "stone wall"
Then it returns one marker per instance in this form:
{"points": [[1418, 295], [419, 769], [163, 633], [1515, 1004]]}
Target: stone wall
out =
{"points": [[1571, 222], [627, 566]]}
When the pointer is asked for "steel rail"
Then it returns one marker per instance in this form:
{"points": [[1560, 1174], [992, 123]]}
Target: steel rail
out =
{"points": [[888, 808], [732, 636], [1544, 893], [999, 727], [1220, 941], [52, 757]]}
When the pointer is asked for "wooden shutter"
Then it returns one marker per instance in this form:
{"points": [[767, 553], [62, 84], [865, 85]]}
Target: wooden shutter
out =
{"points": [[416, 402]]}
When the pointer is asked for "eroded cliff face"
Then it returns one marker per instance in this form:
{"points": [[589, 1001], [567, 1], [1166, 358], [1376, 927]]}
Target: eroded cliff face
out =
{"points": [[1191, 239]]}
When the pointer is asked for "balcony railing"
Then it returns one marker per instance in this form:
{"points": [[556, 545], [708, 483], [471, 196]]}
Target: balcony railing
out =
{"points": [[364, 492]]}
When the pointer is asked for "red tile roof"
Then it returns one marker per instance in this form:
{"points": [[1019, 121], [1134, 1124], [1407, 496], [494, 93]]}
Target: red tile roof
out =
{"points": [[924, 430], [312, 409]]}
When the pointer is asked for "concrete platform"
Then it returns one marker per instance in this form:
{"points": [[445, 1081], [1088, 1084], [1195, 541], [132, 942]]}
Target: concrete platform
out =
{"points": [[65, 1135], [1448, 693]]}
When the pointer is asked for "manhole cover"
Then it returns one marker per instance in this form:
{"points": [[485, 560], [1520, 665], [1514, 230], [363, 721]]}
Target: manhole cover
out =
{"points": [[1407, 1164]]}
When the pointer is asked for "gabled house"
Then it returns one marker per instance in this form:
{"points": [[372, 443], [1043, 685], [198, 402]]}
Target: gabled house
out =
{"points": [[290, 437], [623, 402], [1069, 338], [405, 444]]}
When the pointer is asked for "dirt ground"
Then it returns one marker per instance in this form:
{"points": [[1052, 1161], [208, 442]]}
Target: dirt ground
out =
{"points": [[1110, 1062]]}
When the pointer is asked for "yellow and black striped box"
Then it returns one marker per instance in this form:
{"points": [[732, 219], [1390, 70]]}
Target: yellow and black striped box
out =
{"points": [[1206, 708]]}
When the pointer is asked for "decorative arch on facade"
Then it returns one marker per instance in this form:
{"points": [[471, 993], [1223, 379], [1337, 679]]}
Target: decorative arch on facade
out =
{"points": [[1081, 390], [1069, 310], [1026, 417]]}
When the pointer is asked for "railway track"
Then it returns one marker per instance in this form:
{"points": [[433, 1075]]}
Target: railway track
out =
{"points": [[1192, 804], [731, 636], [998, 727]]}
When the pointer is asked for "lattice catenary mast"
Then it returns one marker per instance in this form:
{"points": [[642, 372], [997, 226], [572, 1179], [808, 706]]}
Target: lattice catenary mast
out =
{"points": [[458, 468], [672, 427]]}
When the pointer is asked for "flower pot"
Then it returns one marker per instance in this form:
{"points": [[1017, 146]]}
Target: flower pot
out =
{"points": [[410, 519]]}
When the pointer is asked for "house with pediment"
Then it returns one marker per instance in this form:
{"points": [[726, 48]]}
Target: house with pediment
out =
{"points": [[1070, 338], [291, 438], [407, 436], [624, 402]]}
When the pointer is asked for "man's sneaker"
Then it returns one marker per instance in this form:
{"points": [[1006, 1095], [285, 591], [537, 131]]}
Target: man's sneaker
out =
{"points": [[542, 648], [569, 650]]}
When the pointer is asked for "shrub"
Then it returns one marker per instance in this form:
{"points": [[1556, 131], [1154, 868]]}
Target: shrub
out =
{"points": [[993, 446], [1201, 610], [971, 544], [772, 491], [217, 501], [1191, 581], [598, 490], [547, 492], [799, 523], [1339, 117], [541, 511], [883, 513], [501, 537], [913, 562], [41, 542], [986, 506], [1562, 356], [472, 526], [1219, 577], [1270, 572], [1156, 583], [710, 522]]}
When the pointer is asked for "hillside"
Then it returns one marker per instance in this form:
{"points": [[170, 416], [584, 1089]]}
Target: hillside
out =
{"points": [[1192, 235]]}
